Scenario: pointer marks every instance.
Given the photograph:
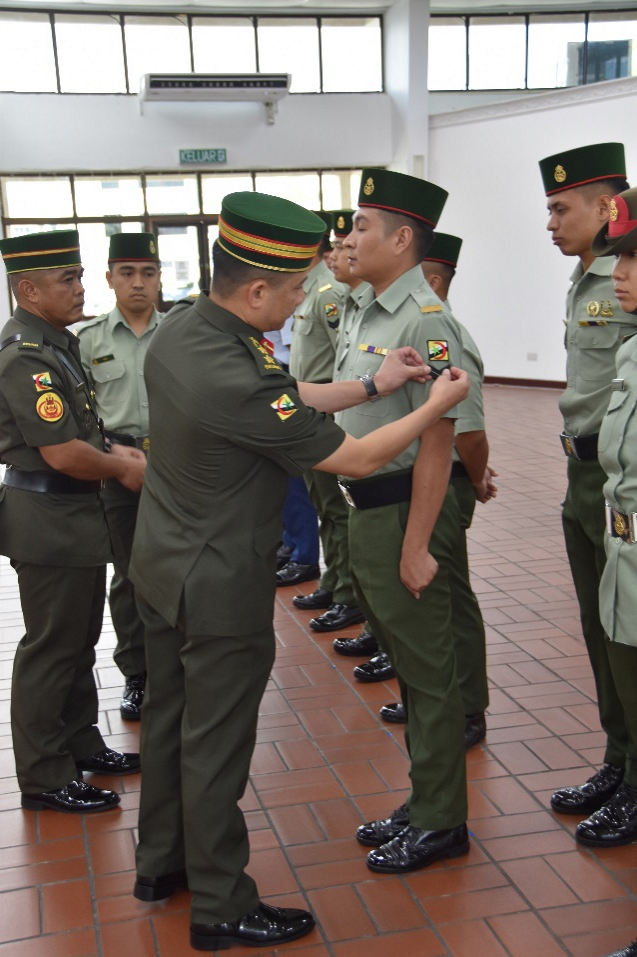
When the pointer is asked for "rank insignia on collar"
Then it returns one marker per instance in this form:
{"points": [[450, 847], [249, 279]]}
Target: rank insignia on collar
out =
{"points": [[437, 350], [265, 361], [42, 381], [375, 350], [50, 407], [331, 309], [284, 407], [267, 345]]}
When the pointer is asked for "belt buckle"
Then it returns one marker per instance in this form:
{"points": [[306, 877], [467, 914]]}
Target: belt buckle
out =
{"points": [[620, 525], [569, 444], [347, 495]]}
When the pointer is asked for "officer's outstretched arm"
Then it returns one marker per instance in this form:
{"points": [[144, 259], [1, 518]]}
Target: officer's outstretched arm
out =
{"points": [[82, 461]]}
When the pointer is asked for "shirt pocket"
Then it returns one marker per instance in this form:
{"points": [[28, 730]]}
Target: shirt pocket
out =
{"points": [[109, 379], [596, 346]]}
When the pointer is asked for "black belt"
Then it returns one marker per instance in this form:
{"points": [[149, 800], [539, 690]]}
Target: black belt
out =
{"points": [[579, 446], [458, 470], [54, 482], [133, 441], [386, 489]]}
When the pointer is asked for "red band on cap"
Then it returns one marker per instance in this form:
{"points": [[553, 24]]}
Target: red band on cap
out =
{"points": [[585, 182], [436, 259], [402, 212]]}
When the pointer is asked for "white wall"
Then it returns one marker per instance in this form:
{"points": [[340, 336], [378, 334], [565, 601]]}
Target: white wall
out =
{"points": [[511, 282]]}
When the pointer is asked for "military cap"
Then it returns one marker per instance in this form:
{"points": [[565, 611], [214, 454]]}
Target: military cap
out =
{"points": [[53, 250], [133, 247], [399, 193], [619, 234], [444, 249], [586, 164], [342, 221], [326, 217], [269, 232]]}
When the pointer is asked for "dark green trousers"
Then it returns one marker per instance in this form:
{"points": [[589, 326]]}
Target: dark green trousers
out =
{"points": [[121, 506], [332, 510], [623, 663], [584, 523], [198, 731], [467, 626], [53, 694], [416, 634]]}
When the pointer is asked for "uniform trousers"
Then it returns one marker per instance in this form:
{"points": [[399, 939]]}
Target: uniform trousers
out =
{"points": [[416, 634], [198, 731], [623, 663], [120, 506], [53, 694], [333, 515], [300, 523], [583, 518], [467, 626]]}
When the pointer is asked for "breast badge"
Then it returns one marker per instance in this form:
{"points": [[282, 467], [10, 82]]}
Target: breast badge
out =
{"points": [[437, 350], [42, 381], [50, 407], [284, 407], [593, 308]]}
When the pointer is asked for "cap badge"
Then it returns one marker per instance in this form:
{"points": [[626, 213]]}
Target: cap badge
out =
{"points": [[340, 222], [368, 188], [152, 247], [560, 174], [614, 212]]}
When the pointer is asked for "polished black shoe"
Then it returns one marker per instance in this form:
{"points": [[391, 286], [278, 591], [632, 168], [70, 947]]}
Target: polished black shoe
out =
{"points": [[378, 668], [283, 555], [337, 616], [475, 729], [377, 833], [293, 574], [110, 762], [630, 951], [612, 825], [320, 598], [76, 797], [265, 927], [393, 713], [158, 888], [130, 706], [414, 848], [591, 795], [362, 646]]}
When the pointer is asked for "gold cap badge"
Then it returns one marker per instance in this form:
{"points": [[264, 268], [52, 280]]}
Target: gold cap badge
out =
{"points": [[368, 188], [614, 212], [560, 174], [152, 247], [340, 222]]}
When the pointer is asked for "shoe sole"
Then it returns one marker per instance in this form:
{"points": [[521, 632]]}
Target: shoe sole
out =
{"points": [[31, 805], [592, 842], [144, 892], [108, 774], [205, 942], [392, 720], [372, 679], [578, 811], [127, 716], [454, 852]]}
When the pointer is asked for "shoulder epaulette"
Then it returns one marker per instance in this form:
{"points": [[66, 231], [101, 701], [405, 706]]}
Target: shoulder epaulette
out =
{"points": [[90, 323], [265, 362], [33, 341], [427, 301]]}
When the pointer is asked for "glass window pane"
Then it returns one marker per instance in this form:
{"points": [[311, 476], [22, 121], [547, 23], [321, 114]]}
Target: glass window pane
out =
{"points": [[26, 53], [291, 46], [224, 46], [552, 43], [214, 188], [90, 54], [332, 188], [179, 252], [172, 195], [301, 188], [612, 46], [447, 69], [38, 197], [156, 45], [497, 49], [343, 72], [109, 197], [94, 242]]}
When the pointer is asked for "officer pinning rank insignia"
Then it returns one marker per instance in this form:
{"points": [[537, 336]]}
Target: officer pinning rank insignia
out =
{"points": [[42, 381], [375, 350], [284, 407], [437, 350], [50, 407]]}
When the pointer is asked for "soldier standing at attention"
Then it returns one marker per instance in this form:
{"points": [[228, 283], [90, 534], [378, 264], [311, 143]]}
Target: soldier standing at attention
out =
{"points": [[228, 427], [113, 348], [53, 529], [580, 185]]}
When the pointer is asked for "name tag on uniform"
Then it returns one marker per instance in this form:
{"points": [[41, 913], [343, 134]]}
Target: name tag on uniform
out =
{"points": [[101, 359]]}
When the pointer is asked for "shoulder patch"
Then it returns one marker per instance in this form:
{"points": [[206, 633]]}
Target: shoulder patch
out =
{"points": [[328, 285], [42, 381], [437, 350], [266, 363], [283, 406], [331, 309], [50, 407]]}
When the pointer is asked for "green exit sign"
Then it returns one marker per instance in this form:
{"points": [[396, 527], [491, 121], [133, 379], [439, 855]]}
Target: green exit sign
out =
{"points": [[190, 157]]}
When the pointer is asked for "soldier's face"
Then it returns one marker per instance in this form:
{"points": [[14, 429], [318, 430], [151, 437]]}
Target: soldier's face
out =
{"points": [[338, 264], [136, 285], [369, 247], [575, 218], [625, 280], [59, 295]]}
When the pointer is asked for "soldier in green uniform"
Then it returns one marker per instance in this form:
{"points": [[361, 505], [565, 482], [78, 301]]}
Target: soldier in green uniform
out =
{"points": [[53, 529], [580, 185], [312, 353], [405, 520], [228, 425], [113, 348]]}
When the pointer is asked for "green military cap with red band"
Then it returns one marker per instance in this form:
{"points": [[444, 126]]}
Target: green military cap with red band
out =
{"points": [[342, 222], [399, 193], [445, 248], [269, 232], [59, 249], [326, 216], [619, 235], [583, 165], [133, 247]]}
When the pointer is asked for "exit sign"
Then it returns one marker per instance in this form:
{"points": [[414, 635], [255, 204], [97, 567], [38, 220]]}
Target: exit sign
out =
{"points": [[190, 157]]}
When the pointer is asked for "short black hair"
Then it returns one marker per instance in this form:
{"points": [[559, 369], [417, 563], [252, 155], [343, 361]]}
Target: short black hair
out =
{"points": [[229, 273], [16, 278], [325, 245], [602, 187], [423, 233]]}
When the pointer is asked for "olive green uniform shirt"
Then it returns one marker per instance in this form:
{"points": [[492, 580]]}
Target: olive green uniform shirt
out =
{"points": [[471, 410], [595, 328], [228, 427], [113, 358], [42, 403], [316, 324]]}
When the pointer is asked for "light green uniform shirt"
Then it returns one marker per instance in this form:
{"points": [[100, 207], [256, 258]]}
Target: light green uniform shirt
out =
{"points": [[316, 324], [113, 358], [407, 313], [595, 328], [471, 410]]}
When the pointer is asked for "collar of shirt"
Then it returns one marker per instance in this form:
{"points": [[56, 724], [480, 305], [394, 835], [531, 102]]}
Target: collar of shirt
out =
{"points": [[600, 266], [59, 337], [115, 318], [394, 296], [222, 319]]}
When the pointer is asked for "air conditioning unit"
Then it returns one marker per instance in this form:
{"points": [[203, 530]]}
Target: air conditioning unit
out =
{"points": [[215, 87]]}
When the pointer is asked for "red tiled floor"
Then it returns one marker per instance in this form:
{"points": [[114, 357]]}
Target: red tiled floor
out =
{"points": [[325, 763]]}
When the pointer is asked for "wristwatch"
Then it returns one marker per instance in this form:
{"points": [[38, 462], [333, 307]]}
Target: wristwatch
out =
{"points": [[370, 387]]}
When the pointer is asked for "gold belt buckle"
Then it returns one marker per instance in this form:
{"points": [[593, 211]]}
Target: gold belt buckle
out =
{"points": [[569, 444], [620, 525], [347, 495]]}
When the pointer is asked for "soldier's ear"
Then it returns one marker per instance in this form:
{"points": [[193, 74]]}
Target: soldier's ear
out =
{"points": [[109, 278], [28, 289]]}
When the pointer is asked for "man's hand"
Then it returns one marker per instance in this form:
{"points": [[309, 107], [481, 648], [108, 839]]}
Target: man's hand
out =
{"points": [[134, 467], [487, 489], [417, 570], [449, 389], [400, 366]]}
